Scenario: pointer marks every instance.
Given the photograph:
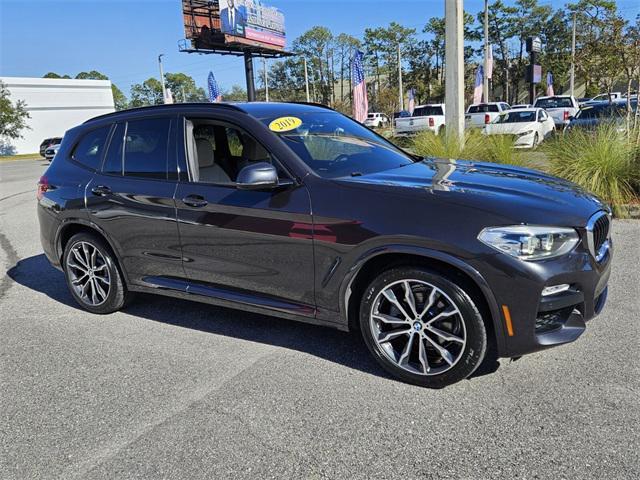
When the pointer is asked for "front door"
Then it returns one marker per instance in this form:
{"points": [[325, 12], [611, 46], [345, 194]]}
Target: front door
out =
{"points": [[255, 243], [131, 198]]}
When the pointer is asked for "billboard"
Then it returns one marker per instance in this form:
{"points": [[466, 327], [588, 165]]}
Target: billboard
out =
{"points": [[233, 24]]}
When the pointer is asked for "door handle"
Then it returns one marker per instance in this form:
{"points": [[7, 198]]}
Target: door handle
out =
{"points": [[195, 201], [101, 190]]}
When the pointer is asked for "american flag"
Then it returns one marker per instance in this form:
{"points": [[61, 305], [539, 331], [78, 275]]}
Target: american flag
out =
{"points": [[360, 100], [550, 84], [215, 95], [477, 90], [412, 100]]}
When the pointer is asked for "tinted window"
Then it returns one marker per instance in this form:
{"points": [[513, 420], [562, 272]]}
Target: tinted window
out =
{"points": [[554, 102], [483, 108], [146, 148], [336, 146], [424, 111], [91, 147], [517, 116], [113, 161]]}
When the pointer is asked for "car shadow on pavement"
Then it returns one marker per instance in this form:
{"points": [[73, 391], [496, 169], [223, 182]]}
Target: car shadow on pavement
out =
{"points": [[333, 345]]}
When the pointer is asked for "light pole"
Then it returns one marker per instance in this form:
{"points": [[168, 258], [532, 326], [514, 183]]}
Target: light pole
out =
{"points": [[573, 57], [401, 91], [454, 72], [485, 84], [164, 88], [266, 79], [306, 79]]}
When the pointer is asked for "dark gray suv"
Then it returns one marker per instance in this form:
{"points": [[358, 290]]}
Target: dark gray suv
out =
{"points": [[299, 212]]}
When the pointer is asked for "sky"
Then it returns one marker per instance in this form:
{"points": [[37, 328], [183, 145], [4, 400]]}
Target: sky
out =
{"points": [[122, 38]]}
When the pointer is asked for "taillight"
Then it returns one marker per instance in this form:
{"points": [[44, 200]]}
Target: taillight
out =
{"points": [[566, 115], [431, 122], [43, 186], [487, 118]]}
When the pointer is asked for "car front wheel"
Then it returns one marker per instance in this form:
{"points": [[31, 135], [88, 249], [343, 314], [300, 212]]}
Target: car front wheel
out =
{"points": [[92, 275], [421, 327]]}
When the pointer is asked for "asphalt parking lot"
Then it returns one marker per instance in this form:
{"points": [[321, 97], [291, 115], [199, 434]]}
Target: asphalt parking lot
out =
{"points": [[178, 390]]}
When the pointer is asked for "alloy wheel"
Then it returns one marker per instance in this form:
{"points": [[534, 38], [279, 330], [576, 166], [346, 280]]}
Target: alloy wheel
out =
{"points": [[418, 327], [88, 273]]}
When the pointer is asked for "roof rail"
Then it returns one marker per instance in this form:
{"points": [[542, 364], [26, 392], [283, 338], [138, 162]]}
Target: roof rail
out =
{"points": [[167, 107]]}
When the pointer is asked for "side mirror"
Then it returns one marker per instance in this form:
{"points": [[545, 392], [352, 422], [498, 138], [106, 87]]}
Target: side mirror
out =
{"points": [[258, 176]]}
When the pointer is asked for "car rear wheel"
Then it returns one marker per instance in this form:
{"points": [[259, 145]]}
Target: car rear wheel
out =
{"points": [[92, 274], [421, 327]]}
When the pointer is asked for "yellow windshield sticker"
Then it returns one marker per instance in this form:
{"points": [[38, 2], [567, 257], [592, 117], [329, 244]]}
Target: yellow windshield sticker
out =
{"points": [[285, 124]]}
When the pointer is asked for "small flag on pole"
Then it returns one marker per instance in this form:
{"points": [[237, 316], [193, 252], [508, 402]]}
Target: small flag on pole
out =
{"points": [[550, 84], [412, 100], [490, 62], [360, 100], [477, 91], [168, 99], [215, 95]]}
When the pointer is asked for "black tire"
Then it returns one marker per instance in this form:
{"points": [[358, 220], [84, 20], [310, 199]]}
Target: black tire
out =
{"points": [[117, 294], [470, 355]]}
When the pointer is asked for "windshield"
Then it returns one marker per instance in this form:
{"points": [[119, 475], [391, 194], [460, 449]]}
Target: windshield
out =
{"points": [[336, 146], [425, 111], [483, 108], [517, 117], [554, 102]]}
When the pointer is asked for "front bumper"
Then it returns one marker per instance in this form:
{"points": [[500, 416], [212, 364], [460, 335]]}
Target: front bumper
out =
{"points": [[530, 321]]}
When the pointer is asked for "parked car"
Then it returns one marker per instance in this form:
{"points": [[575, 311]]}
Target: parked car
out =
{"points": [[560, 107], [300, 212], [521, 105], [529, 127], [376, 120], [425, 117], [47, 143], [591, 116], [50, 152], [607, 97], [479, 115]]}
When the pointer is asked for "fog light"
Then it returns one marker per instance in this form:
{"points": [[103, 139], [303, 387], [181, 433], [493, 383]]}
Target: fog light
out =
{"points": [[555, 289]]}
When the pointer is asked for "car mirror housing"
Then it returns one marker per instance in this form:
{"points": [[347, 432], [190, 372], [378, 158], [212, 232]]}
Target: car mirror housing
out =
{"points": [[258, 176]]}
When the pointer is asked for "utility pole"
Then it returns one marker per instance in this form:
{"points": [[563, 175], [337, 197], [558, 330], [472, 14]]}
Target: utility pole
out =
{"points": [[454, 73], [306, 79], [401, 92], [485, 85], [573, 58], [248, 69], [266, 79], [164, 88]]}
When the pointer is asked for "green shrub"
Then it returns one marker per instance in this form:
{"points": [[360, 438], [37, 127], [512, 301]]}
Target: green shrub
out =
{"points": [[605, 161], [478, 147]]}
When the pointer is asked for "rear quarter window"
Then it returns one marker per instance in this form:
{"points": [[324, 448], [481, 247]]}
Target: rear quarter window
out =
{"points": [[90, 149]]}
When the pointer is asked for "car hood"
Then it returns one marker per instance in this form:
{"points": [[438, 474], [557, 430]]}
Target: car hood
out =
{"points": [[514, 194], [514, 128]]}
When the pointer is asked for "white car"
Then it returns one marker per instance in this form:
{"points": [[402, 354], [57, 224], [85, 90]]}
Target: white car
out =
{"points": [[376, 120], [562, 108], [529, 126], [425, 117], [481, 114]]}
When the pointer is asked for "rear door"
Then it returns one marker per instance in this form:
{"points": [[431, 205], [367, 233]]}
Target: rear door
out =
{"points": [[131, 198], [257, 244]]}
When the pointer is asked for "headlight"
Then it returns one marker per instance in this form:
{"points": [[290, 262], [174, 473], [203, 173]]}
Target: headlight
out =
{"points": [[530, 242], [524, 134]]}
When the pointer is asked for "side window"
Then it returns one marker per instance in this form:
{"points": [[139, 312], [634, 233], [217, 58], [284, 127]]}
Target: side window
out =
{"points": [[146, 148], [113, 161], [90, 148], [216, 152]]}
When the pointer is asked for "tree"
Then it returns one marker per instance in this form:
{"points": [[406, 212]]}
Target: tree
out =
{"points": [[55, 75], [146, 93], [317, 46], [236, 94], [13, 118], [184, 88]]}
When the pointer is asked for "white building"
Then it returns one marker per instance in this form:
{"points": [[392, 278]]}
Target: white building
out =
{"points": [[56, 105]]}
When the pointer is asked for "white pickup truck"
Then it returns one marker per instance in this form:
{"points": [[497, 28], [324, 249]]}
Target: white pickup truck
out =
{"points": [[562, 108], [425, 117], [481, 114]]}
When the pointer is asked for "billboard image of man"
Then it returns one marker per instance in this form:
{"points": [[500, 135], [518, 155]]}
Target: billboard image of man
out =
{"points": [[233, 17]]}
